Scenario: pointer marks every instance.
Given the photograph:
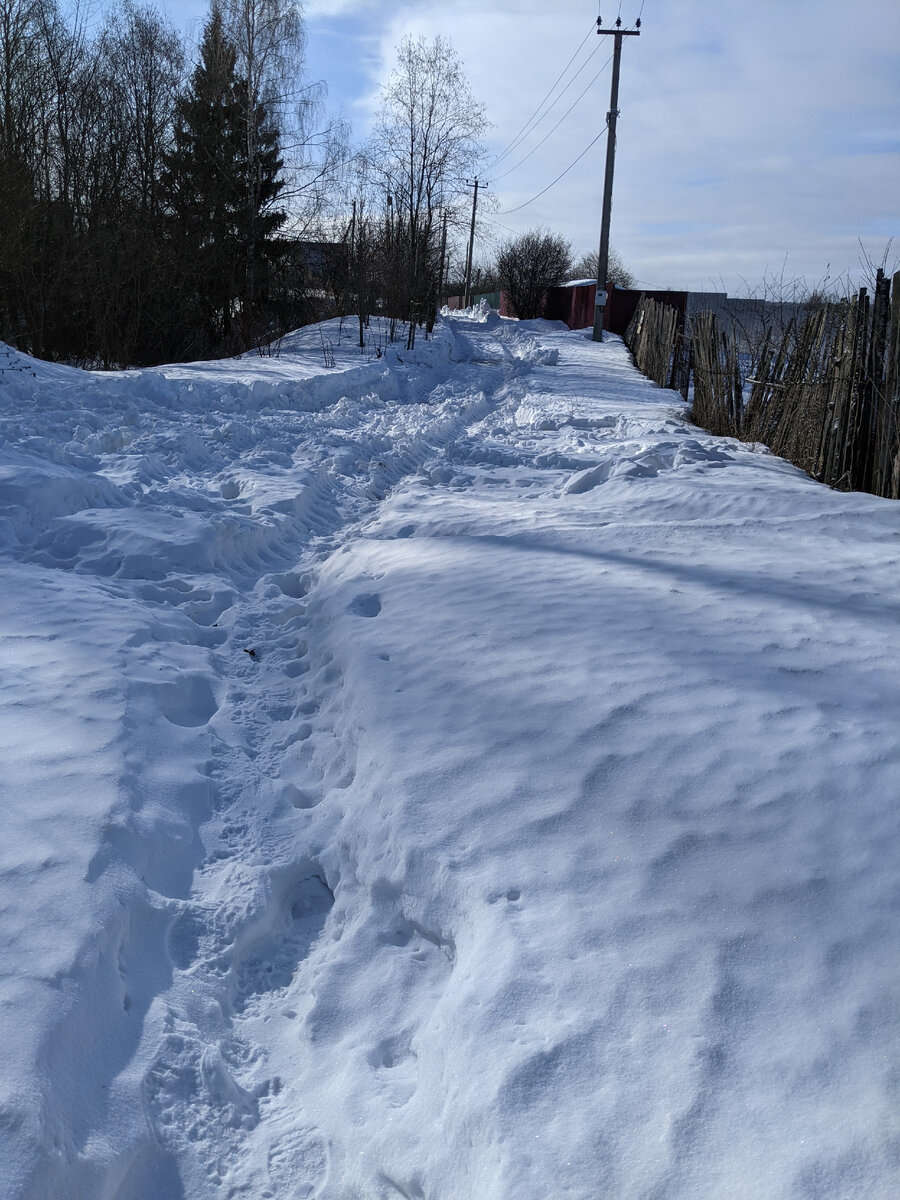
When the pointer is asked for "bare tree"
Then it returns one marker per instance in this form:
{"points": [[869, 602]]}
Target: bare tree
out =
{"points": [[530, 264], [616, 273], [138, 70], [92, 261], [270, 41], [19, 89], [22, 97], [426, 144], [47, 117], [144, 61], [83, 124]]}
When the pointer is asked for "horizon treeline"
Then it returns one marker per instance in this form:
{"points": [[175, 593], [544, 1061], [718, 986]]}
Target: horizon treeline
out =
{"points": [[161, 201]]}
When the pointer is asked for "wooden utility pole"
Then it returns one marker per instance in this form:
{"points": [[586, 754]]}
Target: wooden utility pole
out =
{"points": [[438, 284], [467, 294], [603, 259], [440, 290]]}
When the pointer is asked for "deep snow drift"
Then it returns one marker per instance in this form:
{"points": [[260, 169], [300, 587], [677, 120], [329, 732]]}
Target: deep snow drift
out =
{"points": [[445, 776]]}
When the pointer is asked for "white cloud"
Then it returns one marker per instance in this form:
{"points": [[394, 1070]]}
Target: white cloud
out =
{"points": [[745, 132], [313, 9]]}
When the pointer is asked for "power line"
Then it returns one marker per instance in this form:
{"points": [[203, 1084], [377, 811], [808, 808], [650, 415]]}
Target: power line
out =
{"points": [[637, 23], [558, 123], [506, 211], [530, 120], [654, 287], [553, 103], [498, 225]]}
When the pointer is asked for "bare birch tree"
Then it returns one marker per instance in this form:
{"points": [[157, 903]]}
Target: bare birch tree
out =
{"points": [[426, 144], [270, 41]]}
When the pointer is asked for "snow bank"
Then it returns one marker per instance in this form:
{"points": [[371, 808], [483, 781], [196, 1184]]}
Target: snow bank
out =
{"points": [[444, 775]]}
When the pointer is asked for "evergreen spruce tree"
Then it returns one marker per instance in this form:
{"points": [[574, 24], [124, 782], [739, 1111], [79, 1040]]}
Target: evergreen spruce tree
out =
{"points": [[221, 196], [259, 185]]}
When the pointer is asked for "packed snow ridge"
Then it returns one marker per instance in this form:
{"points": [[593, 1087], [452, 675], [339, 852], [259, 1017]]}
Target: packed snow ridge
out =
{"points": [[448, 776]]}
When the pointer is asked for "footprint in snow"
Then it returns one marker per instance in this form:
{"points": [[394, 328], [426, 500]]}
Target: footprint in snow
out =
{"points": [[293, 584], [187, 700], [184, 939], [297, 1160], [368, 604], [274, 959]]}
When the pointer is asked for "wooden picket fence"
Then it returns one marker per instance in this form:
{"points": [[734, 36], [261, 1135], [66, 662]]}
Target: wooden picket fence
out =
{"points": [[823, 393], [718, 386], [651, 338]]}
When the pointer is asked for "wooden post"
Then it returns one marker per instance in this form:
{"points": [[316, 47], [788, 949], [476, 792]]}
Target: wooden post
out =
{"points": [[467, 294], [892, 387], [611, 118], [880, 415]]}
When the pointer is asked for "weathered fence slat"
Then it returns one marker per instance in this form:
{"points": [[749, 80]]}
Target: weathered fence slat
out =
{"points": [[651, 338], [825, 394], [892, 394]]}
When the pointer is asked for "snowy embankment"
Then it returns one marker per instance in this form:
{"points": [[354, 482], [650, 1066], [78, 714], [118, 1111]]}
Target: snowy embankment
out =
{"points": [[448, 777]]}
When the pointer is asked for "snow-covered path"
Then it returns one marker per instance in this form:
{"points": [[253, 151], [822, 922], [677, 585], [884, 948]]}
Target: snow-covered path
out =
{"points": [[545, 844]]}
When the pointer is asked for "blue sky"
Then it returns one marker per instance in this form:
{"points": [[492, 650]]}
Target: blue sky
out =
{"points": [[756, 139]]}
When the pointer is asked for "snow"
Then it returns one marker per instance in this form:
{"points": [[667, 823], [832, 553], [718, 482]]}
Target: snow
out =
{"points": [[545, 845]]}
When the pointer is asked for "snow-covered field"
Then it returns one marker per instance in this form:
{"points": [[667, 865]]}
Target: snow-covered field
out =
{"points": [[447, 776]]}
